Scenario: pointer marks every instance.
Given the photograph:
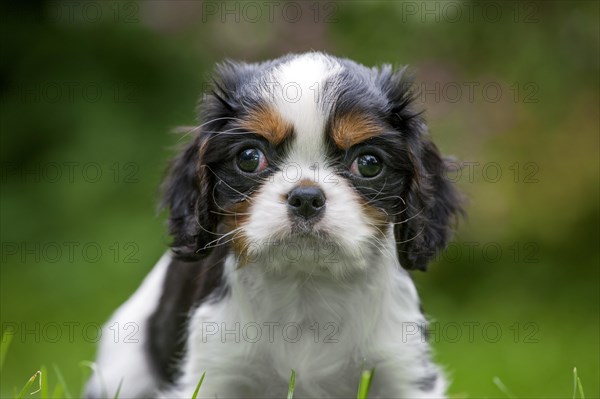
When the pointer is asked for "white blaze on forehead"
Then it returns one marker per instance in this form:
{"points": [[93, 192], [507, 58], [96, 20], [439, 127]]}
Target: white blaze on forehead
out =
{"points": [[298, 88]]}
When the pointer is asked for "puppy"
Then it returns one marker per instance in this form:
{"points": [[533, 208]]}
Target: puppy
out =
{"points": [[307, 190]]}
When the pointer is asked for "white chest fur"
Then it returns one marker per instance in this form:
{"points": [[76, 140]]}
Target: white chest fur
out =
{"points": [[327, 331]]}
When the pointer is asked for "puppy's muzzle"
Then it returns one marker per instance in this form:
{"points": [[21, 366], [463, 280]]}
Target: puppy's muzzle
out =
{"points": [[306, 202]]}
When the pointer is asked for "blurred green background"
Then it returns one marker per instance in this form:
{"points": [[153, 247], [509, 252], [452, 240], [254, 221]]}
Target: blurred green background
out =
{"points": [[90, 90]]}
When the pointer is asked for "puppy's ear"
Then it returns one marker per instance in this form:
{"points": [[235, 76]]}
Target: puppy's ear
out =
{"points": [[432, 205], [431, 202], [188, 196]]}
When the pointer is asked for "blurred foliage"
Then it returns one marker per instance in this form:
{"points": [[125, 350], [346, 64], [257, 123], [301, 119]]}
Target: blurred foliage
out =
{"points": [[96, 92]]}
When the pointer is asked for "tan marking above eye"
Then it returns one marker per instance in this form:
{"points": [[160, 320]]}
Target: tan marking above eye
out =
{"points": [[353, 128], [268, 123]]}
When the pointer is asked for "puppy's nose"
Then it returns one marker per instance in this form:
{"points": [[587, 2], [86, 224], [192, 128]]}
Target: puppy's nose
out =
{"points": [[306, 201]]}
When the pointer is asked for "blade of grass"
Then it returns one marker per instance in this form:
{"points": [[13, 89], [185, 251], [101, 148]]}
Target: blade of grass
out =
{"points": [[61, 381], [58, 392], [87, 368], [198, 386], [118, 389], [292, 385], [365, 384], [29, 383], [574, 382], [577, 385], [44, 383], [581, 394], [42, 378], [92, 366], [6, 339], [503, 388]]}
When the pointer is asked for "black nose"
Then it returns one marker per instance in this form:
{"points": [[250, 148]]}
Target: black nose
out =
{"points": [[306, 201]]}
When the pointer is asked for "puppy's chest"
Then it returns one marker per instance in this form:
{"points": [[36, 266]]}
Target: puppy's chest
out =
{"points": [[285, 324], [299, 316], [312, 335]]}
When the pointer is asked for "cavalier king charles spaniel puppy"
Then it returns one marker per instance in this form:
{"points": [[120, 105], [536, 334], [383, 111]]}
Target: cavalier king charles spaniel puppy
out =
{"points": [[307, 191]]}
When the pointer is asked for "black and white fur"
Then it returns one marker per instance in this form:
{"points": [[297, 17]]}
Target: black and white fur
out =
{"points": [[243, 263]]}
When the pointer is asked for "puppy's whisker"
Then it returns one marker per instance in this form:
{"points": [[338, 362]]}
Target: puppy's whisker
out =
{"points": [[219, 244], [382, 248], [217, 241], [378, 192], [412, 238], [234, 131], [204, 229], [410, 218], [389, 214], [386, 198], [221, 181], [228, 132], [231, 213], [216, 202], [185, 130]]}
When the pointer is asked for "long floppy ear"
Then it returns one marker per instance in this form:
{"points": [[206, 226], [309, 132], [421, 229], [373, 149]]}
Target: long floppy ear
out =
{"points": [[188, 196], [431, 202], [432, 205]]}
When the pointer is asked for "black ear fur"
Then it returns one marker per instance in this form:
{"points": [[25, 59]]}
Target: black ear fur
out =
{"points": [[432, 203], [188, 196]]}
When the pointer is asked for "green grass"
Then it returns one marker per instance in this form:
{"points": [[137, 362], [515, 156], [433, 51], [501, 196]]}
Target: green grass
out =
{"points": [[577, 385], [197, 387], [61, 390], [292, 385], [29, 383], [42, 377], [363, 390], [365, 383], [6, 339]]}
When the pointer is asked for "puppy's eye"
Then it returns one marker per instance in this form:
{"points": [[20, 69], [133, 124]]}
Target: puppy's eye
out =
{"points": [[252, 160], [366, 165]]}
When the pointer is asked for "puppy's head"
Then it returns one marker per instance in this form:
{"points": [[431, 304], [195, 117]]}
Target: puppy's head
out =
{"points": [[310, 161]]}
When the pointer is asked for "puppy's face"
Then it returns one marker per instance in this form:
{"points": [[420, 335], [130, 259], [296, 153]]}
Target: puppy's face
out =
{"points": [[314, 163]]}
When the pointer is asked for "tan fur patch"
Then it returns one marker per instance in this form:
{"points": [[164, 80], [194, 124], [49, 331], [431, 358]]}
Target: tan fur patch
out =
{"points": [[267, 122], [376, 217], [307, 183], [353, 128], [237, 216]]}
